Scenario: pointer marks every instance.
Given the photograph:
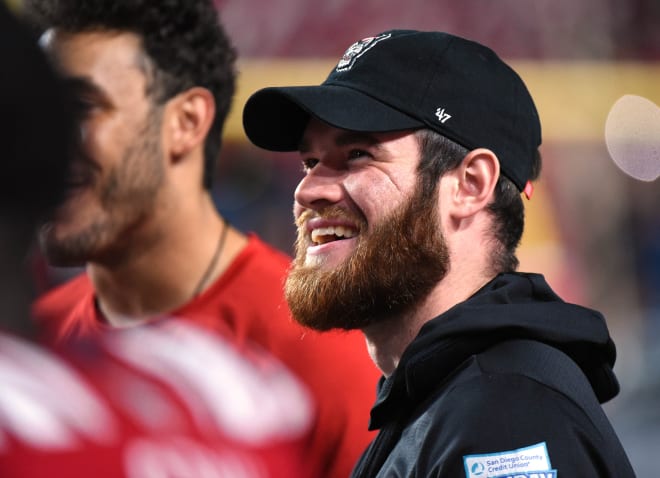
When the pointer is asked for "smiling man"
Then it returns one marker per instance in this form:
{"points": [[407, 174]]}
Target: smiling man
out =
{"points": [[136, 403], [154, 81], [416, 150]]}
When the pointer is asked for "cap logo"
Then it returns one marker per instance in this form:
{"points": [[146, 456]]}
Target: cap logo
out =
{"points": [[357, 49], [442, 116]]}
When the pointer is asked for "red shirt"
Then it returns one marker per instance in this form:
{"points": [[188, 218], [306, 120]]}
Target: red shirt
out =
{"points": [[167, 400], [247, 302]]}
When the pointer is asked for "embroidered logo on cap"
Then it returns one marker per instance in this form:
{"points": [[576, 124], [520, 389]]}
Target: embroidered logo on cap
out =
{"points": [[442, 115], [357, 49], [529, 462]]}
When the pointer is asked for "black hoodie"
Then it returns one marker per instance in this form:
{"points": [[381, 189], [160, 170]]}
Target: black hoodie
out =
{"points": [[505, 384]]}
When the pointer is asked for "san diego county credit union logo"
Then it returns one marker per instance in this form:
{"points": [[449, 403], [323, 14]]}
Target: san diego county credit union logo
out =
{"points": [[529, 462]]}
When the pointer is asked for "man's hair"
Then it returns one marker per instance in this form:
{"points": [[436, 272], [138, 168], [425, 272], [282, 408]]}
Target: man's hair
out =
{"points": [[440, 155], [183, 39]]}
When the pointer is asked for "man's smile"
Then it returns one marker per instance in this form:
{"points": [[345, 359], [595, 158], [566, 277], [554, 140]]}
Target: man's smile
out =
{"points": [[322, 235]]}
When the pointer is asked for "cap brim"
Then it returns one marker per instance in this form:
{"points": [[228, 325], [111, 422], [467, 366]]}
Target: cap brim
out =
{"points": [[275, 118]]}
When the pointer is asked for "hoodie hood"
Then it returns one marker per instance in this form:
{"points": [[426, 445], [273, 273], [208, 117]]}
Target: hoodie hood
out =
{"points": [[510, 307]]}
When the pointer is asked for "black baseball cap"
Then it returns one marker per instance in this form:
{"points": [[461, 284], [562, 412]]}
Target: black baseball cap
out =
{"points": [[407, 79]]}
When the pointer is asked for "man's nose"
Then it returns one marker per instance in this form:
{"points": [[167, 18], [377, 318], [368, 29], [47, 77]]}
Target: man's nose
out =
{"points": [[322, 186]]}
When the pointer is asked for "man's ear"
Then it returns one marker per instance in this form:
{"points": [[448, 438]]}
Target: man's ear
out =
{"points": [[474, 182], [188, 119]]}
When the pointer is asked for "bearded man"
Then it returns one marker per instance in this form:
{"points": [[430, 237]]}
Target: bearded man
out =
{"points": [[416, 150]]}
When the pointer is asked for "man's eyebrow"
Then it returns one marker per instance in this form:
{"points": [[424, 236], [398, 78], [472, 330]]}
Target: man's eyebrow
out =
{"points": [[345, 138], [82, 85]]}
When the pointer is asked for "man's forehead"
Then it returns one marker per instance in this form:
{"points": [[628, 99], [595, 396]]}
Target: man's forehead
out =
{"points": [[119, 46], [108, 64], [341, 137], [96, 55], [337, 137]]}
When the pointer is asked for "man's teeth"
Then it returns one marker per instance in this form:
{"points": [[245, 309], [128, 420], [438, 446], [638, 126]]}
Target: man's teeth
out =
{"points": [[322, 235]]}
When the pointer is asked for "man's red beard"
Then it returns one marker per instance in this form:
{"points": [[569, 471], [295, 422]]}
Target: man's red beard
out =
{"points": [[393, 268]]}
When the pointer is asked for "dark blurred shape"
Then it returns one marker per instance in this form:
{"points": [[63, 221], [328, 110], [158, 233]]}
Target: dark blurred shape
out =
{"points": [[36, 122]]}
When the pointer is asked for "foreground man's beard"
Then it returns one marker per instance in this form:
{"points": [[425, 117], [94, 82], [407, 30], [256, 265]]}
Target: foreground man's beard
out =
{"points": [[126, 195], [393, 267]]}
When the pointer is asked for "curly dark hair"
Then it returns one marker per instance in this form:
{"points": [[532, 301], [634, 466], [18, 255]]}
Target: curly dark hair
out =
{"points": [[440, 155], [183, 39]]}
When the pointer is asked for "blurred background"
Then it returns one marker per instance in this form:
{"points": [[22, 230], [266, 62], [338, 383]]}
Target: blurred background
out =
{"points": [[591, 229]]}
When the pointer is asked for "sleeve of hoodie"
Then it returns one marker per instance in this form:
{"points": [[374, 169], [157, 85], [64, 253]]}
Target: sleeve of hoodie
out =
{"points": [[492, 424]]}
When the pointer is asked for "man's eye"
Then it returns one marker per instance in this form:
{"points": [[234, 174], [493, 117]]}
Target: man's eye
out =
{"points": [[357, 153], [82, 107], [309, 163]]}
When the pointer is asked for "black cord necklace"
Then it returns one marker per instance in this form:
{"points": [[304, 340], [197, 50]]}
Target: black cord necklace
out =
{"points": [[214, 260]]}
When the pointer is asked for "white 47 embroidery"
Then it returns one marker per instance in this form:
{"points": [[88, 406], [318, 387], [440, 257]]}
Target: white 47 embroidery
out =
{"points": [[442, 116]]}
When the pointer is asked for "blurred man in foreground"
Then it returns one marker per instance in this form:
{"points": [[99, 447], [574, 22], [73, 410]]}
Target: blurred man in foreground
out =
{"points": [[154, 81], [166, 400]]}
